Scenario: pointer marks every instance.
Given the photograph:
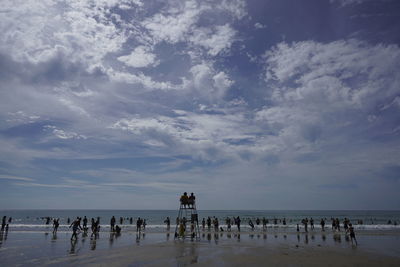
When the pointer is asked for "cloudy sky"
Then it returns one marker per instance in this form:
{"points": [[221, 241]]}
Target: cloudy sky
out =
{"points": [[258, 104]]}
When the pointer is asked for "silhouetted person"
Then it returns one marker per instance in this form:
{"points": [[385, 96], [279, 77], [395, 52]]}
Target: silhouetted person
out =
{"points": [[191, 200], [112, 224], [209, 223], [264, 223], [121, 220], [322, 224], [184, 200], [118, 230], [228, 224], [168, 222], [3, 223], [138, 224], [85, 223], [312, 223], [47, 220], [10, 220], [130, 220], [216, 225], [55, 225], [251, 225], [237, 221], [203, 223], [75, 226], [352, 234], [68, 220]]}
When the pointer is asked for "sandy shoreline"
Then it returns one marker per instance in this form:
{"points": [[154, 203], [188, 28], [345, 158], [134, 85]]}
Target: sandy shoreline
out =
{"points": [[228, 254], [214, 249]]}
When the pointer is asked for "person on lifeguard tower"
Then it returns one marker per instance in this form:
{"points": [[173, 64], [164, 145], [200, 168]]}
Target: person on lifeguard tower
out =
{"points": [[184, 200], [191, 200]]}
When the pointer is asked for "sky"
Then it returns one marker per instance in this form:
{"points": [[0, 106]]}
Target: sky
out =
{"points": [[258, 104]]}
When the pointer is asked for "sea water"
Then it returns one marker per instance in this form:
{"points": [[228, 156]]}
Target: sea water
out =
{"points": [[34, 220]]}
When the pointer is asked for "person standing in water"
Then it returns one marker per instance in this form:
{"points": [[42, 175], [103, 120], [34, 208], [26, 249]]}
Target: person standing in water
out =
{"points": [[322, 224], [3, 223], [168, 222], [112, 224], [238, 223], [55, 225], [85, 224]]}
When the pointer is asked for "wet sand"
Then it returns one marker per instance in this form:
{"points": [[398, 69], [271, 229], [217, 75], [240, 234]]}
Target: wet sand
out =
{"points": [[230, 254], [222, 249]]}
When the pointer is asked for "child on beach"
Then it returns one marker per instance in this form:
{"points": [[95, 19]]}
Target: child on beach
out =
{"points": [[352, 234]]}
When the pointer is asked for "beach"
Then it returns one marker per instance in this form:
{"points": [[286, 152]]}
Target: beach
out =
{"points": [[247, 248], [30, 240]]}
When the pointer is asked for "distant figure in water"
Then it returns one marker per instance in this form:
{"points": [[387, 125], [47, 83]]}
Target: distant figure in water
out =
{"points": [[203, 223], [352, 234], [298, 228], [47, 220], [68, 220], [112, 224], [10, 220], [3, 223], [237, 221], [251, 225], [118, 230], [264, 223], [312, 223], [75, 226], [168, 222], [85, 223], [138, 224], [55, 225], [322, 224]]}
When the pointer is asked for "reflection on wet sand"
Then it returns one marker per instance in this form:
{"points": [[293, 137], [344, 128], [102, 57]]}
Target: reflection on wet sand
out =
{"points": [[73, 246], [186, 254]]}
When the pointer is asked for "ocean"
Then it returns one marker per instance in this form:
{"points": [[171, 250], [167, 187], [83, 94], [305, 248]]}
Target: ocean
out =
{"points": [[34, 220]]}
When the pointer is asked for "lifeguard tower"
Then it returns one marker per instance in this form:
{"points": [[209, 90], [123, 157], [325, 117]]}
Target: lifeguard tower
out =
{"points": [[187, 224]]}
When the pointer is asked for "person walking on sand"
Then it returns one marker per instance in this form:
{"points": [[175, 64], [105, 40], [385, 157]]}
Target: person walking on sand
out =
{"points": [[352, 234], [75, 226]]}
